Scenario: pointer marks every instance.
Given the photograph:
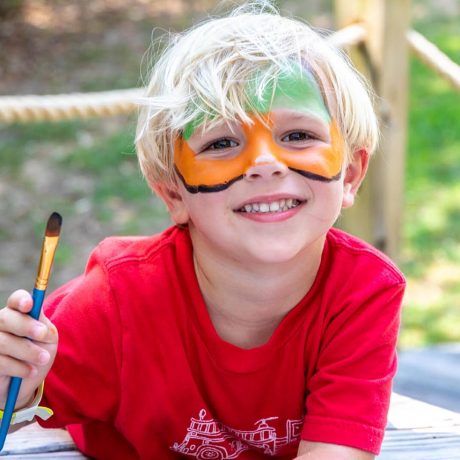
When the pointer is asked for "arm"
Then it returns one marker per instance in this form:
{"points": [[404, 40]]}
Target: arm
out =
{"points": [[309, 450], [349, 390]]}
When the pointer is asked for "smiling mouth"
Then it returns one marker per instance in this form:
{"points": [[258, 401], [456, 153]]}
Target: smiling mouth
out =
{"points": [[272, 206]]}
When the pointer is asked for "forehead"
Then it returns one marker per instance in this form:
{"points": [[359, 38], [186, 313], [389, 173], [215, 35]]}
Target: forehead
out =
{"points": [[294, 88]]}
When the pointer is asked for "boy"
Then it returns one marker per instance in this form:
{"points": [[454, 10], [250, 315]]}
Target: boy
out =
{"points": [[251, 329]]}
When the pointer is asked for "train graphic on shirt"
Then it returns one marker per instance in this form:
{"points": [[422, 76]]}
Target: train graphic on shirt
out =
{"points": [[209, 439]]}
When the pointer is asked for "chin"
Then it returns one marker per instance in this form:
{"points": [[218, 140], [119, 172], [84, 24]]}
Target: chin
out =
{"points": [[269, 252]]}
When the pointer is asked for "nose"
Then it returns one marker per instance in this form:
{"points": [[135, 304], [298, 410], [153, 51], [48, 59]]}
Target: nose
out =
{"points": [[265, 166]]}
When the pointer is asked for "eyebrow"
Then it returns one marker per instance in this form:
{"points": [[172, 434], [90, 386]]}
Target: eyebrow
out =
{"points": [[222, 127], [306, 116], [317, 123]]}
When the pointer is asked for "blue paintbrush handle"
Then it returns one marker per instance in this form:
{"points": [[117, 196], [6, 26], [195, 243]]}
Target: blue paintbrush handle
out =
{"points": [[13, 391], [37, 296], [15, 384]]}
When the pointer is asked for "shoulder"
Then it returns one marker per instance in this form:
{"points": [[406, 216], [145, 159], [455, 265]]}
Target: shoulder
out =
{"points": [[356, 258], [124, 265], [114, 253]]}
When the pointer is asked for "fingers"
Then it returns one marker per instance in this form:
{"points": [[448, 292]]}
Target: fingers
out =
{"points": [[20, 300], [23, 350], [52, 332], [21, 357], [11, 367], [21, 325]]}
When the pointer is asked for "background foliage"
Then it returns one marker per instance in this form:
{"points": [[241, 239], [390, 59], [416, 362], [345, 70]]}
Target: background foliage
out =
{"points": [[86, 169]]}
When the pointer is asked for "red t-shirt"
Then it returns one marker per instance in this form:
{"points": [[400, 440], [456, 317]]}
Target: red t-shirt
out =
{"points": [[141, 372]]}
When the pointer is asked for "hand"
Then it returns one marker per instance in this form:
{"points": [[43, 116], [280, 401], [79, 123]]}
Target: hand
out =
{"points": [[29, 359]]}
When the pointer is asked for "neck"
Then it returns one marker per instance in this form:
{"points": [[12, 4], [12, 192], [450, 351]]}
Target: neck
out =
{"points": [[246, 302]]}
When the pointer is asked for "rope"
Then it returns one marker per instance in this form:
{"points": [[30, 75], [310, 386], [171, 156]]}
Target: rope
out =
{"points": [[348, 36], [430, 55], [23, 109]]}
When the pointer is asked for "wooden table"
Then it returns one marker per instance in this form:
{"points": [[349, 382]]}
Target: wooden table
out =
{"points": [[420, 431], [416, 431]]}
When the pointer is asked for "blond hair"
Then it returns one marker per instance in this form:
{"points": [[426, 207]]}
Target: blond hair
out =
{"points": [[203, 75]]}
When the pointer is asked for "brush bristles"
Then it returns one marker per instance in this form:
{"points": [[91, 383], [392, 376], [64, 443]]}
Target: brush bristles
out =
{"points": [[53, 227]]}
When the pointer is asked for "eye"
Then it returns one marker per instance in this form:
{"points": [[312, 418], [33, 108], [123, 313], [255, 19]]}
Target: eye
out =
{"points": [[296, 136], [221, 144]]}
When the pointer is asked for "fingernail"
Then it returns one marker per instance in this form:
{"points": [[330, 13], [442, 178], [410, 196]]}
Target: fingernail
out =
{"points": [[23, 302], [43, 357]]}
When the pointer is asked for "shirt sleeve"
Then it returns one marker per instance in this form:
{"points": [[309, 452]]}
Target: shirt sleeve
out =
{"points": [[348, 395], [83, 383]]}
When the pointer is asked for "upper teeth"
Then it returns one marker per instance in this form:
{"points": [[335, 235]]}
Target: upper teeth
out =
{"points": [[273, 206]]}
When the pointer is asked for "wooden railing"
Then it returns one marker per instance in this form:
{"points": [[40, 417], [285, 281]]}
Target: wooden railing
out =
{"points": [[383, 57], [376, 34]]}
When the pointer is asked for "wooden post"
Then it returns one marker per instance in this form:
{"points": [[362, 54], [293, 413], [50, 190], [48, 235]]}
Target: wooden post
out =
{"points": [[384, 59]]}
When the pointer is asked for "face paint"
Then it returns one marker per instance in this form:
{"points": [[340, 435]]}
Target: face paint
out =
{"points": [[297, 91], [296, 88]]}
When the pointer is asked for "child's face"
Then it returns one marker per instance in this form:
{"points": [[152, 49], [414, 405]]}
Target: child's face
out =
{"points": [[268, 189]]}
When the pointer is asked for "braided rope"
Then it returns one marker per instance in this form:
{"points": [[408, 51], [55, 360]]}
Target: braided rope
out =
{"points": [[431, 56], [24, 109]]}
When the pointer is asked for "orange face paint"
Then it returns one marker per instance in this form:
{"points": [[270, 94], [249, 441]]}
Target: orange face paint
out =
{"points": [[203, 174]]}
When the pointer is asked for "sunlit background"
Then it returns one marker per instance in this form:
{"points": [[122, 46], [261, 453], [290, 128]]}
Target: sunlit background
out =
{"points": [[87, 170]]}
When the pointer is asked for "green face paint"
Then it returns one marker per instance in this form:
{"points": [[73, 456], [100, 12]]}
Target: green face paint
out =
{"points": [[295, 88]]}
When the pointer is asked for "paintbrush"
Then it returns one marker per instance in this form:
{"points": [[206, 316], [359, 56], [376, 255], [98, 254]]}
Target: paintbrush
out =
{"points": [[50, 241]]}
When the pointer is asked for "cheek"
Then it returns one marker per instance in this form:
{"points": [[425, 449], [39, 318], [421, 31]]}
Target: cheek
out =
{"points": [[205, 209], [327, 197], [321, 162]]}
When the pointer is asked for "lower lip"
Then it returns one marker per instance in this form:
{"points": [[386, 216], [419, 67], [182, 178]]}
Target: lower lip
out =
{"points": [[269, 217]]}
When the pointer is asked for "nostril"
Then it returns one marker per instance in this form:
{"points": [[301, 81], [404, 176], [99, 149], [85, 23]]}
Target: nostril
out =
{"points": [[253, 175], [266, 171]]}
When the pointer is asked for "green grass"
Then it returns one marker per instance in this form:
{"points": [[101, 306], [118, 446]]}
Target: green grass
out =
{"points": [[89, 152], [431, 247], [18, 141], [119, 188]]}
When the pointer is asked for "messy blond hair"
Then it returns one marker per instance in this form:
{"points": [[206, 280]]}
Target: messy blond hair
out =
{"points": [[204, 73]]}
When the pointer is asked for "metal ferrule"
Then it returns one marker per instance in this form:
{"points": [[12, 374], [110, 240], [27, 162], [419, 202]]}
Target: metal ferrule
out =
{"points": [[46, 261]]}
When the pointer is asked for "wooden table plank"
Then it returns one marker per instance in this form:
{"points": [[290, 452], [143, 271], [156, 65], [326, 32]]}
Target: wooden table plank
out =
{"points": [[416, 431], [74, 455], [420, 431], [34, 442]]}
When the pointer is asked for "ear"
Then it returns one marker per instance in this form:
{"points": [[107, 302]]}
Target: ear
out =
{"points": [[354, 175], [171, 196]]}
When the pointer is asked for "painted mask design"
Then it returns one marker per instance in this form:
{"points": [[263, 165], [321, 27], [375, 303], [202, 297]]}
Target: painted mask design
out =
{"points": [[296, 90]]}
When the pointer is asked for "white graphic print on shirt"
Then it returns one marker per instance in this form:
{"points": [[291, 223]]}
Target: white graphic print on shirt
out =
{"points": [[211, 439]]}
